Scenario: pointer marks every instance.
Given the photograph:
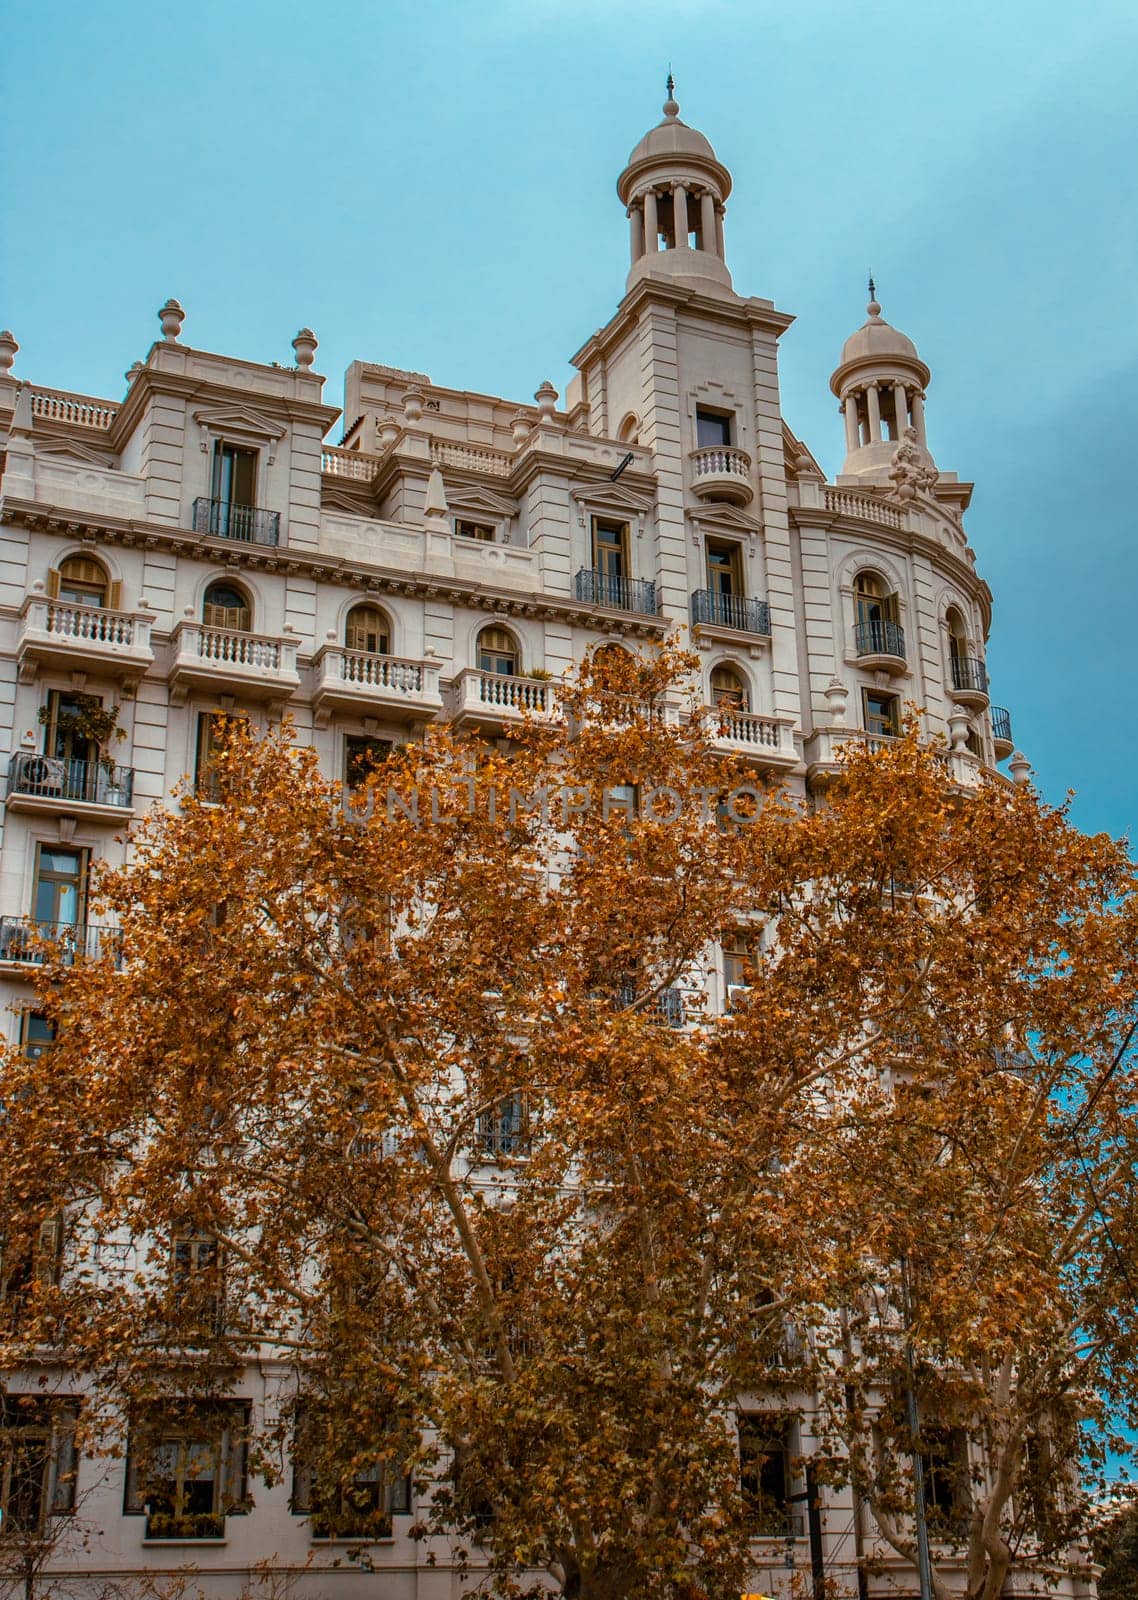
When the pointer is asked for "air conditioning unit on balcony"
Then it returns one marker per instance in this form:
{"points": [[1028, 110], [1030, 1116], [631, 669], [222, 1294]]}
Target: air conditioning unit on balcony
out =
{"points": [[37, 774]]}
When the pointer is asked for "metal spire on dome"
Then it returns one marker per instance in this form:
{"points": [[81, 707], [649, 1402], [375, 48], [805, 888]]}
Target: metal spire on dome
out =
{"points": [[873, 307], [671, 106]]}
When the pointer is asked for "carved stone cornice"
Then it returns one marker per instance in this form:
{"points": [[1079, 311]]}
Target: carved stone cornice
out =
{"points": [[137, 534]]}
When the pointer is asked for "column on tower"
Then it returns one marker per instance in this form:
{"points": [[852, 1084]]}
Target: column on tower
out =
{"points": [[707, 238], [636, 217], [919, 417], [874, 407], [651, 222], [719, 246], [853, 436], [900, 407], [680, 214]]}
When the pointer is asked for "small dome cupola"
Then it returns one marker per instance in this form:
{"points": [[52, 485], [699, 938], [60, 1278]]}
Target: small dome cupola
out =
{"points": [[880, 381], [674, 189]]}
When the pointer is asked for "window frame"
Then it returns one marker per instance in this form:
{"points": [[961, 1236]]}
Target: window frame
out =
{"points": [[618, 548], [54, 1426], [50, 876], [243, 613], [772, 1520], [893, 731], [381, 634], [732, 568], [485, 653], [487, 532], [718, 424], [380, 1480], [223, 1427]]}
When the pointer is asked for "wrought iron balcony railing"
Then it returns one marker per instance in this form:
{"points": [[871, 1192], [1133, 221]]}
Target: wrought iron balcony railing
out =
{"points": [[668, 1006], [595, 588], [969, 674], [731, 611], [31, 942], [52, 778], [221, 519], [880, 638], [1001, 724]]}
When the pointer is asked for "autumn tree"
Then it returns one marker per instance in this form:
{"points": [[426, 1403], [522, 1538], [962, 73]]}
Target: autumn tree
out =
{"points": [[412, 1096]]}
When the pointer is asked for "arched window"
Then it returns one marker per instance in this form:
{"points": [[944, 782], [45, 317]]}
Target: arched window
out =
{"points": [[957, 636], [872, 599], [498, 652], [629, 430], [368, 629], [81, 582], [225, 606], [728, 690]]}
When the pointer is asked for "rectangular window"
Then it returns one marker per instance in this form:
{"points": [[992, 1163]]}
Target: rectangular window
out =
{"points": [[882, 714], [197, 1297], [363, 755], [944, 1464], [234, 475], [741, 949], [485, 532], [505, 1133], [358, 1506], [30, 1261], [206, 751], [610, 547], [36, 1034], [765, 1475], [712, 428], [724, 567], [185, 1468], [37, 1461], [59, 897]]}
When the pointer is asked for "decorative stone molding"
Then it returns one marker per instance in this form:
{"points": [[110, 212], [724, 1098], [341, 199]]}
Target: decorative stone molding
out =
{"points": [[240, 424], [611, 500], [170, 317]]}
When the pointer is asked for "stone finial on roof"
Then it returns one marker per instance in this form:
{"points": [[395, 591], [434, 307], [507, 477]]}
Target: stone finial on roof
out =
{"points": [[132, 372], [8, 348], [171, 316], [305, 345], [546, 397]]}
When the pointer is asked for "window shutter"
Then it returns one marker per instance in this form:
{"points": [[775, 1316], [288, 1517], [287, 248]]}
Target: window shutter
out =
{"points": [[65, 1464], [49, 1246], [53, 583], [114, 595]]}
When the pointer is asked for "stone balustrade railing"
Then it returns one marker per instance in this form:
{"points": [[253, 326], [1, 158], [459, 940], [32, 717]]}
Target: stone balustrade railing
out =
{"points": [[80, 410], [847, 503], [93, 625], [533, 695], [355, 464], [398, 675], [718, 461], [229, 647], [474, 458]]}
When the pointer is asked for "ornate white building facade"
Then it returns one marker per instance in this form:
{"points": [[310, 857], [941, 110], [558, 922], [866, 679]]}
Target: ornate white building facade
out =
{"points": [[199, 544]]}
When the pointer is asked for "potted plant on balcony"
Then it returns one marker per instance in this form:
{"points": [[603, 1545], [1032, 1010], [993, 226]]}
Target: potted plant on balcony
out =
{"points": [[84, 717]]}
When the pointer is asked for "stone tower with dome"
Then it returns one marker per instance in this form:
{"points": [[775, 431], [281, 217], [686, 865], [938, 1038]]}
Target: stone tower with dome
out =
{"points": [[200, 541]]}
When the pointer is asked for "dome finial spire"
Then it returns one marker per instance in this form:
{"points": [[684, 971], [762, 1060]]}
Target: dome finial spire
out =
{"points": [[671, 106], [873, 307]]}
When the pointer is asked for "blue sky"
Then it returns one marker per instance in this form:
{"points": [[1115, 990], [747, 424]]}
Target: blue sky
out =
{"points": [[430, 184]]}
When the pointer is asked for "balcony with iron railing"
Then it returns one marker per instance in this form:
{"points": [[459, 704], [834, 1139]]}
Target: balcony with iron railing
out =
{"points": [[28, 942], [222, 519], [228, 660], [72, 638], [49, 783], [667, 1007], [595, 588], [880, 643], [735, 612], [970, 681], [363, 682], [1001, 731], [721, 472]]}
